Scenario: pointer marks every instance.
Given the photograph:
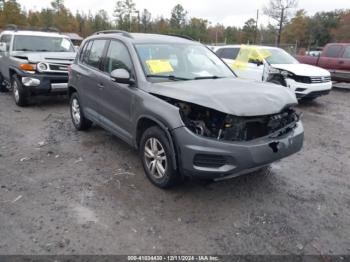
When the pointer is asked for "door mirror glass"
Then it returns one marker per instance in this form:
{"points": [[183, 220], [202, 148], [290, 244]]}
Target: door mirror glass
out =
{"points": [[2, 47], [122, 76]]}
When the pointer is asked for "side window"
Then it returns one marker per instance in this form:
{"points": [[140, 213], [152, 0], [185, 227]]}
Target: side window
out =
{"points": [[94, 56], [85, 52], [347, 52], [229, 53], [333, 51], [6, 39], [117, 57]]}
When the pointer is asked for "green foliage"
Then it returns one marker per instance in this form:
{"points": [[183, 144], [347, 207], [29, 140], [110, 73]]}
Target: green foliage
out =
{"points": [[307, 31], [178, 17]]}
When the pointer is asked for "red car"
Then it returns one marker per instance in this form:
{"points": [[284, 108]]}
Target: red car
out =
{"points": [[335, 58]]}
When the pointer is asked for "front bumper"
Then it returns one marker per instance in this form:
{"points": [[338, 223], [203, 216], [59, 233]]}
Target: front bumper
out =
{"points": [[48, 83], [309, 90], [239, 156]]}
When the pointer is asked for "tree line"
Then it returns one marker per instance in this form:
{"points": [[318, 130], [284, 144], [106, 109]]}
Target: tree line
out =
{"points": [[291, 26]]}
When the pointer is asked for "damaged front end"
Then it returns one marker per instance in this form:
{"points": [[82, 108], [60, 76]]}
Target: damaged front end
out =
{"points": [[213, 124]]}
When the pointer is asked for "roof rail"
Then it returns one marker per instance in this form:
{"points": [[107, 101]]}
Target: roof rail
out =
{"points": [[13, 27], [123, 33], [181, 36]]}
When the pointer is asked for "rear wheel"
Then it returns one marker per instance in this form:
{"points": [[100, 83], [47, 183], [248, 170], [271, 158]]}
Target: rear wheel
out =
{"points": [[77, 114], [156, 158], [18, 92]]}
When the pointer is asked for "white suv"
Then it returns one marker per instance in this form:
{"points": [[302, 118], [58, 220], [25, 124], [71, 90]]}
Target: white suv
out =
{"points": [[34, 63], [279, 67]]}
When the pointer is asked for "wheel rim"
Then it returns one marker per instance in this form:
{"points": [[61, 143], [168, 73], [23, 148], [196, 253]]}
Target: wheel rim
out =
{"points": [[15, 91], [76, 111], [155, 157]]}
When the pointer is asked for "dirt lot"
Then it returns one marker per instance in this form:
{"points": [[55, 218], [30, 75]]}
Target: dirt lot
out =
{"points": [[64, 192]]}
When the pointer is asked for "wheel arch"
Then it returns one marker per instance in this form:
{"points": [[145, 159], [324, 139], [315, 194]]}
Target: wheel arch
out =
{"points": [[145, 122], [71, 90]]}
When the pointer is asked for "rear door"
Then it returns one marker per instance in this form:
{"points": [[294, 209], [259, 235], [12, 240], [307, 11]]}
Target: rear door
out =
{"points": [[87, 76], [117, 98]]}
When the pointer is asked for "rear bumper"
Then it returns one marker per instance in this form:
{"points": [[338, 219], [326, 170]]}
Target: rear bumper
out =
{"points": [[309, 90], [42, 84], [233, 158]]}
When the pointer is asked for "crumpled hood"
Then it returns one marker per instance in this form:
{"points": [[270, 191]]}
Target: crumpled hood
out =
{"points": [[302, 69], [35, 57], [229, 95]]}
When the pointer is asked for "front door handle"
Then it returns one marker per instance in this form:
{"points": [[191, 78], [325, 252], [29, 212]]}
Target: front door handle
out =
{"points": [[341, 62], [100, 85]]}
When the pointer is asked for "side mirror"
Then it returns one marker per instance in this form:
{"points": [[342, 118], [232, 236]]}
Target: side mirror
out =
{"points": [[3, 47], [122, 76], [256, 61]]}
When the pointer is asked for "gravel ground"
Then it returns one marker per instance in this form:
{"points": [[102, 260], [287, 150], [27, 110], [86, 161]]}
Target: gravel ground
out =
{"points": [[66, 192]]}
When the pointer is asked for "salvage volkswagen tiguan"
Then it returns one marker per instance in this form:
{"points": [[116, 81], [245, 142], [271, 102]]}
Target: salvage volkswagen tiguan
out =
{"points": [[181, 106]]}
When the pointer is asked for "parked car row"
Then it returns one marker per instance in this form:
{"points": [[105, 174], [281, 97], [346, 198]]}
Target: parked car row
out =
{"points": [[171, 98]]}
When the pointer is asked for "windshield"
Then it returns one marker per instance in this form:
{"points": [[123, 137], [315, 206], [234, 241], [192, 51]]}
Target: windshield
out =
{"points": [[279, 56], [42, 44], [180, 62]]}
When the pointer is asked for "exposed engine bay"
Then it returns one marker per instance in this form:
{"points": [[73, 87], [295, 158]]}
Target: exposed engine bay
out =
{"points": [[214, 124]]}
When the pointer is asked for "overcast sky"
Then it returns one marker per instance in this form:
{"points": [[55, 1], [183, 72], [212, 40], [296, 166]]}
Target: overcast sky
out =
{"points": [[227, 12]]}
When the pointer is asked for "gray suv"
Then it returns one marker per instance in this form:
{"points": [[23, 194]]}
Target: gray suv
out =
{"points": [[181, 106]]}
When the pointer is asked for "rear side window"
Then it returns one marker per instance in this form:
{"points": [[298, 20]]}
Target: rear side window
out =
{"points": [[6, 39], [347, 52], [117, 58], [83, 51], [228, 53], [333, 51], [93, 54]]}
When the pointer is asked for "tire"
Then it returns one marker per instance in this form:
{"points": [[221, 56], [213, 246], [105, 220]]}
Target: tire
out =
{"points": [[154, 144], [19, 95], [3, 88], [79, 121]]}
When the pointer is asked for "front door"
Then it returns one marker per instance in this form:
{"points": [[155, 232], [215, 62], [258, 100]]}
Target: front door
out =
{"points": [[117, 98]]}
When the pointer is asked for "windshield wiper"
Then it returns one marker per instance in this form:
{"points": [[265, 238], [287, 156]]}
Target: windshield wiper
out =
{"points": [[42, 50], [207, 77], [170, 77]]}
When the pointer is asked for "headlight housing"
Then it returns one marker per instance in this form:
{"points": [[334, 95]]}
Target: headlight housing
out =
{"points": [[42, 67]]}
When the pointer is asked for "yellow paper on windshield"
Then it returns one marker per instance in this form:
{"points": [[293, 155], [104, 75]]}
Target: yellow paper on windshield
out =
{"points": [[248, 53], [159, 66]]}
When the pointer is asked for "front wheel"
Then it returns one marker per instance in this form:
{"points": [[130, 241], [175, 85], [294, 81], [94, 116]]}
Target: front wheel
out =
{"points": [[77, 114], [156, 158], [18, 92]]}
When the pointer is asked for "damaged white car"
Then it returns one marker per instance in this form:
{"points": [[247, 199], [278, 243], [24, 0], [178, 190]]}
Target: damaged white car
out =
{"points": [[182, 107]]}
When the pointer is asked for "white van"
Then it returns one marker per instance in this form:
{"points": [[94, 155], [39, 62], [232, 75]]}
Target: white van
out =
{"points": [[279, 67]]}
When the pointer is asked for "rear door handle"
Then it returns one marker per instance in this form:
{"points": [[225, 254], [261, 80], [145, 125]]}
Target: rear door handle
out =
{"points": [[341, 62], [100, 85]]}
